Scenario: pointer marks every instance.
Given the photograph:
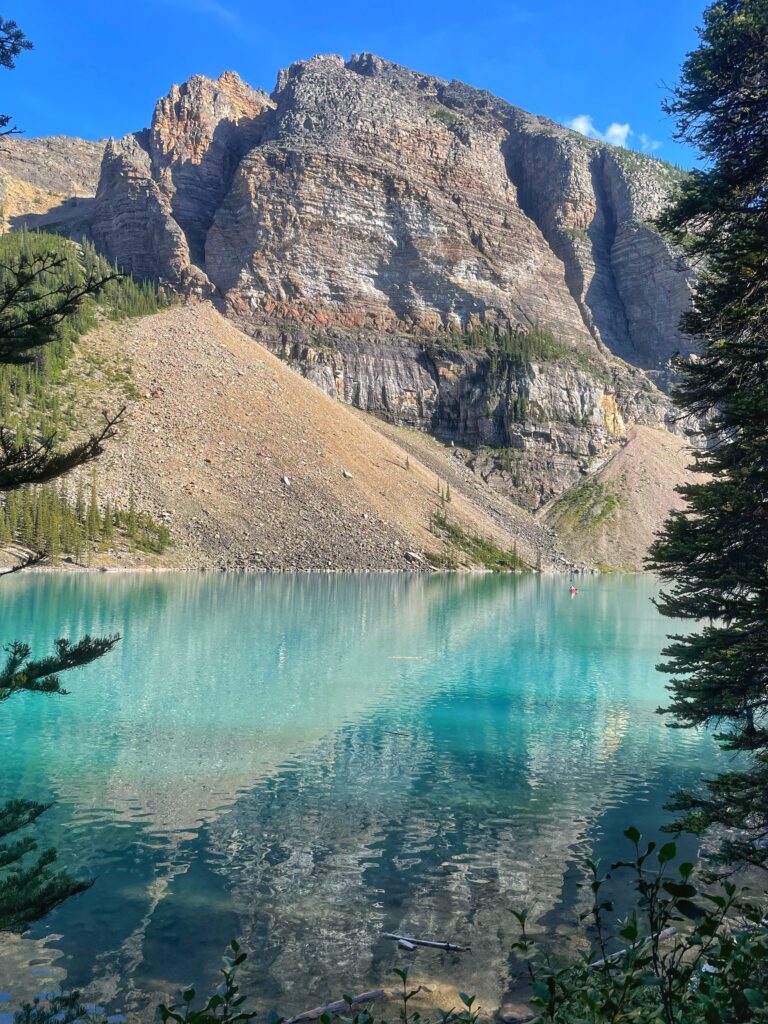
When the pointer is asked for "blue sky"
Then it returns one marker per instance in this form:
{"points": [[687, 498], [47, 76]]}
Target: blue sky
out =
{"points": [[98, 67]]}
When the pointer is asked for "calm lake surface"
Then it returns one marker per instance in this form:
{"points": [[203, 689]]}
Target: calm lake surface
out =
{"points": [[308, 762]]}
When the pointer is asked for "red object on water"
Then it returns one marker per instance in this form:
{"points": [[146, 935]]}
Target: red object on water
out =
{"points": [[573, 591]]}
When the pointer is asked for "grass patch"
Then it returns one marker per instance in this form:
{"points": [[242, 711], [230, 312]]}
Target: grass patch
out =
{"points": [[444, 116], [591, 503], [479, 550], [443, 560], [580, 233]]}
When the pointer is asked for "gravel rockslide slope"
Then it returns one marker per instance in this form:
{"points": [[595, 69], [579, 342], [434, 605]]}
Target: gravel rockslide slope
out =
{"points": [[253, 467]]}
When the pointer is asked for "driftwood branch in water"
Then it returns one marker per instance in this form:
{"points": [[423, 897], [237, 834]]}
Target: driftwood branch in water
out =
{"points": [[667, 933], [339, 1005], [449, 946]]}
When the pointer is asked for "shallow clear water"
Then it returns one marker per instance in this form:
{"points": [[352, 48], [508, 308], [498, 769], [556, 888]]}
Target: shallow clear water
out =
{"points": [[308, 762]]}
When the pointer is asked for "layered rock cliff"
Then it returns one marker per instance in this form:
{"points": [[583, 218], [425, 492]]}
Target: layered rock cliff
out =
{"points": [[160, 188], [365, 195], [51, 180], [394, 237]]}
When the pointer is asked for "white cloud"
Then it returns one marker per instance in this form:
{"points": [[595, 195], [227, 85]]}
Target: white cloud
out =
{"points": [[615, 134], [583, 125], [647, 144]]}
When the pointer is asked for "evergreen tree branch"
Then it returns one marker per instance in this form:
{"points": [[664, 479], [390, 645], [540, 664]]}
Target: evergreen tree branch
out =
{"points": [[19, 673], [35, 298], [37, 462], [25, 562]]}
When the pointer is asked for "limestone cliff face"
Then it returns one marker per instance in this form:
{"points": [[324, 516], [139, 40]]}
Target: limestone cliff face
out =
{"points": [[596, 211], [50, 180], [365, 195], [160, 188], [534, 426], [369, 203], [364, 217]]}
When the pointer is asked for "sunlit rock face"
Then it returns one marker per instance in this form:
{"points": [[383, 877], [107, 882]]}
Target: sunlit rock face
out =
{"points": [[365, 195], [159, 188], [364, 220]]}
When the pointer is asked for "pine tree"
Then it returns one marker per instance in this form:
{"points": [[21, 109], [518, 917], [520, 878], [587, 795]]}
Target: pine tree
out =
{"points": [[94, 516], [80, 513], [41, 288], [12, 43], [714, 552], [107, 525], [132, 520]]}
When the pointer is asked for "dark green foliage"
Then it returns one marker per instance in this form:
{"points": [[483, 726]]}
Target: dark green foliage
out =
{"points": [[28, 889], [60, 1008], [48, 292], [19, 673], [713, 968], [45, 302], [445, 116], [46, 519], [715, 552], [510, 352], [31, 402], [226, 1003], [45, 290], [537, 344], [480, 550], [12, 43]]}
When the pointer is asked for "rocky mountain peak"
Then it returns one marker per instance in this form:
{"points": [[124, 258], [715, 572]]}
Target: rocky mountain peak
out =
{"points": [[394, 236], [185, 122], [368, 196]]}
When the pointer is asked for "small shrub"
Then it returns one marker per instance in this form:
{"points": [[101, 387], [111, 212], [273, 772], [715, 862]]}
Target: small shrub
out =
{"points": [[688, 953], [445, 116]]}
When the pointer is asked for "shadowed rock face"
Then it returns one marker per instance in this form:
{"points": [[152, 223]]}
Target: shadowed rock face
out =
{"points": [[48, 181]]}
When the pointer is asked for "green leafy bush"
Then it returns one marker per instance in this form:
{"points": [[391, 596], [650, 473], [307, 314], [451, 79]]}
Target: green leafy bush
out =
{"points": [[689, 953], [445, 116]]}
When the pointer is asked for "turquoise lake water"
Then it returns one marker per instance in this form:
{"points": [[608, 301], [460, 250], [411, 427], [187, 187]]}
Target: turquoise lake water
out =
{"points": [[307, 762]]}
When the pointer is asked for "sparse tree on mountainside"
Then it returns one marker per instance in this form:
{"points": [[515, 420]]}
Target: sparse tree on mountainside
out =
{"points": [[37, 295], [714, 553]]}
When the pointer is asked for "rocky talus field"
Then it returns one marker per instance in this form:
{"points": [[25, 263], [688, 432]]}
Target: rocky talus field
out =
{"points": [[468, 284]]}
